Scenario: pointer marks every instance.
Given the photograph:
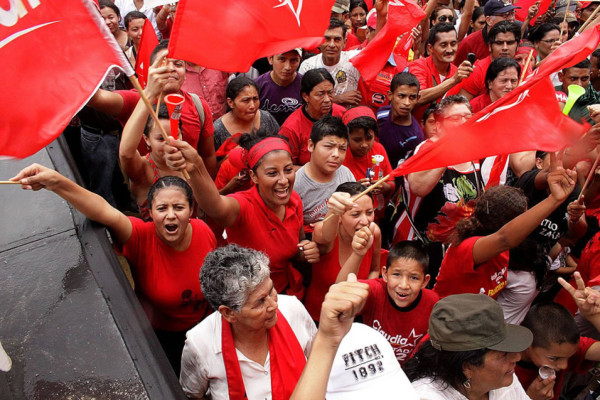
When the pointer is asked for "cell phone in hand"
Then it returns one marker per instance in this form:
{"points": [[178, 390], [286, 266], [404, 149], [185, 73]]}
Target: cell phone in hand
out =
{"points": [[471, 58]]}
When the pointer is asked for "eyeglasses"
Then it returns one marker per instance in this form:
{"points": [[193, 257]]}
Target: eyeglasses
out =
{"points": [[506, 15], [548, 41], [444, 18], [458, 117], [504, 42]]}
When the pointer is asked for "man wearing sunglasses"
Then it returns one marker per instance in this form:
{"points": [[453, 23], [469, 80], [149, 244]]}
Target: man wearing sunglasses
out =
{"points": [[477, 43]]}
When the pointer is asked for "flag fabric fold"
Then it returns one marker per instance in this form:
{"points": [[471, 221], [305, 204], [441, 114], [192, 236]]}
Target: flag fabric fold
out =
{"points": [[229, 35], [148, 42], [402, 17], [522, 120], [49, 76], [521, 13]]}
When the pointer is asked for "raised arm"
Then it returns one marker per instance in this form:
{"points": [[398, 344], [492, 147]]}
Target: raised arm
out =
{"points": [[181, 155], [561, 183], [36, 177], [326, 232], [361, 242], [132, 163]]}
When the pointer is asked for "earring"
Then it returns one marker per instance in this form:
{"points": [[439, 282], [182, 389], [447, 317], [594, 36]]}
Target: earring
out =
{"points": [[467, 384]]}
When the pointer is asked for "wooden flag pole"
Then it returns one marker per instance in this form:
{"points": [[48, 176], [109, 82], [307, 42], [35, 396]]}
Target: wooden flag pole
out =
{"points": [[564, 19], [590, 175], [364, 192], [589, 20], [529, 57], [138, 87], [10, 182]]}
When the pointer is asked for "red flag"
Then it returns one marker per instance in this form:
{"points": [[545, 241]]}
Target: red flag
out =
{"points": [[402, 50], [229, 35], [402, 17], [521, 13], [148, 42], [522, 120], [47, 75]]}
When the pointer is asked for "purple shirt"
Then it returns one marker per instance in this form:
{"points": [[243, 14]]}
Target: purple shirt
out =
{"points": [[397, 140], [280, 101]]}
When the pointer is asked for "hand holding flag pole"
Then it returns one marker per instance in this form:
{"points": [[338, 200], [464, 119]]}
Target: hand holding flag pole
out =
{"points": [[588, 21]]}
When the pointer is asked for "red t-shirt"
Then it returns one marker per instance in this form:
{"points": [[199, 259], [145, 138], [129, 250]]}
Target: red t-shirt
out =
{"points": [[324, 274], [458, 274], [375, 95], [166, 280], [480, 102], [402, 327], [473, 43], [428, 76], [351, 41], [226, 173], [297, 129], [190, 120], [259, 228], [358, 166], [577, 364], [475, 83]]}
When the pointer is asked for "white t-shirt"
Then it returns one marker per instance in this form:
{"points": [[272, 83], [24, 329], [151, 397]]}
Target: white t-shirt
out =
{"points": [[428, 390], [516, 298], [126, 6], [202, 366], [344, 74]]}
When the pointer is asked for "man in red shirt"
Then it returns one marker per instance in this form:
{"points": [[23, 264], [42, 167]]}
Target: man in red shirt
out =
{"points": [[196, 129], [436, 73], [504, 39], [494, 11]]}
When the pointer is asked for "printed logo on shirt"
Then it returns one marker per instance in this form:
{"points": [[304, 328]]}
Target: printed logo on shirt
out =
{"points": [[403, 346], [549, 229], [500, 281], [341, 76], [288, 105], [378, 98], [364, 362]]}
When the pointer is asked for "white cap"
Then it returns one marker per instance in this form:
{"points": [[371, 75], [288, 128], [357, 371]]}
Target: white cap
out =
{"points": [[365, 367]]}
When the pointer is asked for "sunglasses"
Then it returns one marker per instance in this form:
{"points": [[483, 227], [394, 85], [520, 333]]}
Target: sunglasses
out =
{"points": [[444, 18]]}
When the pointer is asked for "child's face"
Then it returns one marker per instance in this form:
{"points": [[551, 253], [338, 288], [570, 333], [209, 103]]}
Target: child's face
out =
{"points": [[556, 356], [361, 142], [405, 279]]}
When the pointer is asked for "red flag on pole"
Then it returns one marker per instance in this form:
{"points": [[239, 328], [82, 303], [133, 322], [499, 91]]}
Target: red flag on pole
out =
{"points": [[229, 35], [521, 13], [48, 75], [522, 120], [402, 17], [148, 42]]}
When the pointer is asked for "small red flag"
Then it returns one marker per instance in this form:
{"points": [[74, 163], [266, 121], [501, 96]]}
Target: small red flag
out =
{"points": [[402, 17], [402, 50], [521, 13], [47, 75], [229, 35], [148, 42], [522, 120]]}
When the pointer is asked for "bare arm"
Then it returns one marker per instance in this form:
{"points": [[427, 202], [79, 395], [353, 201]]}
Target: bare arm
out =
{"points": [[421, 183], [326, 232], [465, 19], [361, 242], [206, 149], [433, 93], [94, 207], [521, 162], [132, 163], [468, 95]]}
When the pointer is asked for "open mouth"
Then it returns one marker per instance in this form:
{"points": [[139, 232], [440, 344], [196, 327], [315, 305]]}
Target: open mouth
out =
{"points": [[281, 193], [171, 228], [402, 296]]}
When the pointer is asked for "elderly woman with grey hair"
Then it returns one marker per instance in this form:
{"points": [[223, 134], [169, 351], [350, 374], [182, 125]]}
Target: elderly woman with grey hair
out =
{"points": [[255, 344]]}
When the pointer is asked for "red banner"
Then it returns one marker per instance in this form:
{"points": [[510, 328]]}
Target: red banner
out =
{"points": [[148, 42], [56, 54], [229, 35], [521, 13]]}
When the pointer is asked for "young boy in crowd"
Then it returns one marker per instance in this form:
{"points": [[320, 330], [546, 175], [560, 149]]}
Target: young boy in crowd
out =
{"points": [[398, 305], [557, 344], [364, 150], [316, 181]]}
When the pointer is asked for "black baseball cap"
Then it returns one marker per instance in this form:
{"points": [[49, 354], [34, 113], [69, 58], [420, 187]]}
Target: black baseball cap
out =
{"points": [[494, 7]]}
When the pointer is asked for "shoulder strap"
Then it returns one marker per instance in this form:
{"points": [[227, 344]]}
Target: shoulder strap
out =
{"points": [[199, 108]]}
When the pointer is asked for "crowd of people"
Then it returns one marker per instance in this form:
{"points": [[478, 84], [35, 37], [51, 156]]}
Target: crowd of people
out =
{"points": [[248, 227]]}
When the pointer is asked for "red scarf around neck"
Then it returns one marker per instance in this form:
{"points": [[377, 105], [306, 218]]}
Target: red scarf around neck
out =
{"points": [[286, 357]]}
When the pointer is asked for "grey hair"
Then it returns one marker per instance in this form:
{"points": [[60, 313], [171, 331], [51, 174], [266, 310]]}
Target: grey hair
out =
{"points": [[229, 274], [448, 102]]}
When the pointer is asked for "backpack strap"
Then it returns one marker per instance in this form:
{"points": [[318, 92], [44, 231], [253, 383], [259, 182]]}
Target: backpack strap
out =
{"points": [[199, 108]]}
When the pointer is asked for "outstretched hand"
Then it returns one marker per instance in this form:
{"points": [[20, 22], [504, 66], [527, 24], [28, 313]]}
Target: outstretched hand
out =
{"points": [[36, 177], [561, 182], [340, 202], [586, 298]]}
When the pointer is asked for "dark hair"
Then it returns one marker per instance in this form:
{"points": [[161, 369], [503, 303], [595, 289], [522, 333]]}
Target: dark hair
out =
{"points": [[499, 65], [313, 77], [170, 182], [596, 53], [352, 188], [442, 366], [541, 154], [336, 23], [477, 12], [450, 101], [162, 45], [365, 123], [585, 64], [163, 113], [328, 125], [430, 110], [358, 3], [131, 16], [530, 256], [493, 209], [540, 31], [247, 140], [237, 84], [111, 5], [411, 249], [442, 27], [436, 12], [504, 27], [404, 78], [551, 323]]}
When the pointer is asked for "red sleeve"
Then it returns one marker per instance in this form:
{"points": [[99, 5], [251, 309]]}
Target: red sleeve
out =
{"points": [[464, 48], [473, 84], [577, 362], [226, 173], [293, 139], [461, 256], [418, 69], [375, 292], [130, 100], [352, 41], [132, 248]]}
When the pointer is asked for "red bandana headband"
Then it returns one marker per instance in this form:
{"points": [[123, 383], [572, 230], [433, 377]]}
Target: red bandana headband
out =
{"points": [[357, 112], [266, 146]]}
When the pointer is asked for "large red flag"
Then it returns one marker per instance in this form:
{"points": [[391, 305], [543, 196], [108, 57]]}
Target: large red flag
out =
{"points": [[522, 120], [229, 35], [521, 13], [403, 15], [148, 42], [56, 54]]}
